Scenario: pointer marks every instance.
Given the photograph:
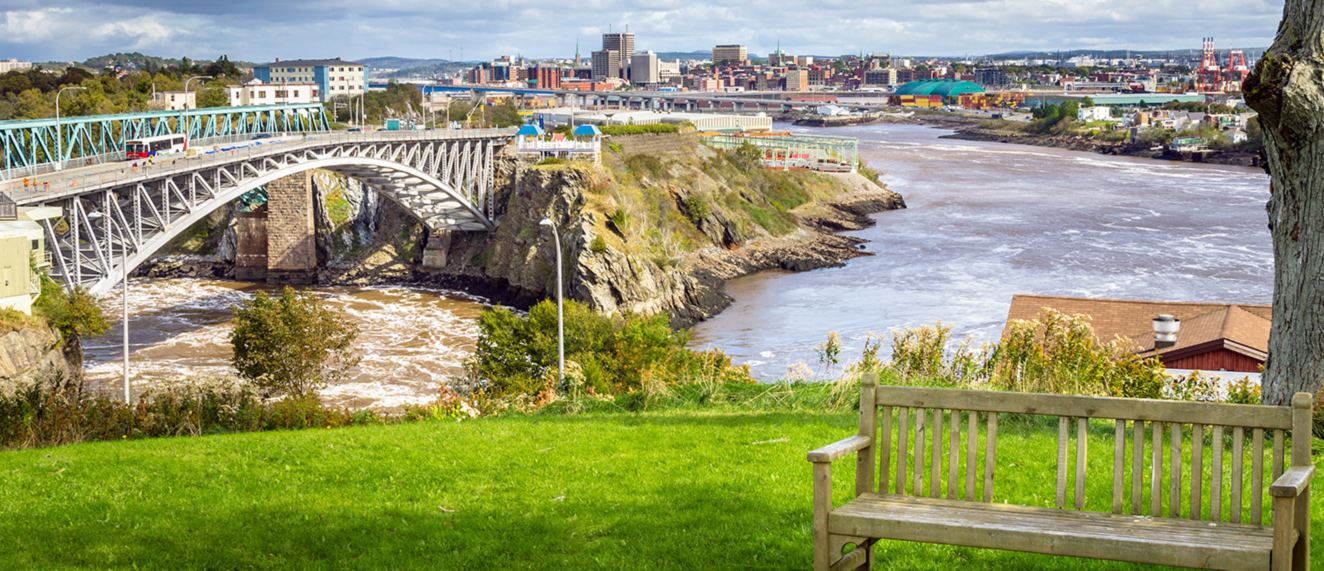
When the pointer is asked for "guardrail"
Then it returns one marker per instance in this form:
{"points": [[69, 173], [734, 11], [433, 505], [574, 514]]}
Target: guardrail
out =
{"points": [[66, 182]]}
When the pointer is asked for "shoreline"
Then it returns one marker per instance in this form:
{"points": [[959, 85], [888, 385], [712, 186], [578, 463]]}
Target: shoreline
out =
{"points": [[817, 244]]}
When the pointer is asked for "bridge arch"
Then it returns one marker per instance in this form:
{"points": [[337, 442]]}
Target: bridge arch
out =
{"points": [[438, 204]]}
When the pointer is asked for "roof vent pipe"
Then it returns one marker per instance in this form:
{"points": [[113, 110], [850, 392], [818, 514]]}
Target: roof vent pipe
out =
{"points": [[1165, 331]]}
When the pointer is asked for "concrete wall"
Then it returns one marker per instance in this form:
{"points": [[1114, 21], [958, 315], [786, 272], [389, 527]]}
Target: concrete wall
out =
{"points": [[655, 142], [291, 244]]}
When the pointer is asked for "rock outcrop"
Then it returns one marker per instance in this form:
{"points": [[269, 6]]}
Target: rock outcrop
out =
{"points": [[32, 354]]}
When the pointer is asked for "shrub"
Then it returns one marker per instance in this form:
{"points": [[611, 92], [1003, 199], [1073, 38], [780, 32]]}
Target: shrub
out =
{"points": [[53, 413], [599, 245], [620, 218], [696, 208], [74, 313], [291, 345], [516, 356], [617, 130], [552, 161]]}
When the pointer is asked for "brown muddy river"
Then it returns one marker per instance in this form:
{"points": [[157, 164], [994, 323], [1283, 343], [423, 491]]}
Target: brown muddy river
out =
{"points": [[410, 339], [986, 221]]}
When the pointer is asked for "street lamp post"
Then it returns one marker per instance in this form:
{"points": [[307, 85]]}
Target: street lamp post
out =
{"points": [[186, 82], [59, 136], [560, 309]]}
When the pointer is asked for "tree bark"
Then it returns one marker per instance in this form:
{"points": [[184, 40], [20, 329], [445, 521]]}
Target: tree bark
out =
{"points": [[1287, 89]]}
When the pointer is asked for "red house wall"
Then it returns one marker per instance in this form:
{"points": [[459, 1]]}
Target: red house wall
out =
{"points": [[1216, 360]]}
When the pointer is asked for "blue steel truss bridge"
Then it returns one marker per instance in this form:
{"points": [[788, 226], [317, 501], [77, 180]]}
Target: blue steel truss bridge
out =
{"points": [[39, 146], [116, 215]]}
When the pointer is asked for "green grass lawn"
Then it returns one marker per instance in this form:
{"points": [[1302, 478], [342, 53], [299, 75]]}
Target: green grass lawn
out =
{"points": [[667, 490]]}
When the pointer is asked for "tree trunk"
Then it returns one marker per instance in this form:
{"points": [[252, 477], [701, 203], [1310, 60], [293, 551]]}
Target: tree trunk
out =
{"points": [[1287, 89]]}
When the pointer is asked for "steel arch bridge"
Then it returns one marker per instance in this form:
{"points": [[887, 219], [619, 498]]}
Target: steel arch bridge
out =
{"points": [[111, 219], [30, 144]]}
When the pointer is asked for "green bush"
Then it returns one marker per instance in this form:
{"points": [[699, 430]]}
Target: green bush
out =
{"points": [[599, 245], [74, 313], [517, 355], [54, 413], [291, 345], [696, 209], [552, 161]]}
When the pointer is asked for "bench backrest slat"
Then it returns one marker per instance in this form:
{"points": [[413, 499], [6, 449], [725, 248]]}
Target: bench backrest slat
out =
{"points": [[1193, 432], [1089, 407], [1119, 463]]}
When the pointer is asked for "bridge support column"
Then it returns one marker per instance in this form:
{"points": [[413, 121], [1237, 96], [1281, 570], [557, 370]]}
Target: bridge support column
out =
{"points": [[291, 242], [250, 260], [434, 253]]}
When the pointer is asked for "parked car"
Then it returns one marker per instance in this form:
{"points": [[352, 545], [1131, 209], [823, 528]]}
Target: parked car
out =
{"points": [[261, 136], [353, 130]]}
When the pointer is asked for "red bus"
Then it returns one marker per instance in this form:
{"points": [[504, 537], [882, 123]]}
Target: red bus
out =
{"points": [[155, 146]]}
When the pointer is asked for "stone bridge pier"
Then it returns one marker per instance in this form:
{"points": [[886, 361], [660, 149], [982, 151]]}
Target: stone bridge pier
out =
{"points": [[280, 247]]}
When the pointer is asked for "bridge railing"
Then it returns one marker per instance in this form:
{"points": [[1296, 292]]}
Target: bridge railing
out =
{"points": [[72, 181]]}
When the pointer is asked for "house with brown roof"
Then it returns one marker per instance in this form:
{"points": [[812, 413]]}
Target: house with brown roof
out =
{"points": [[1211, 336]]}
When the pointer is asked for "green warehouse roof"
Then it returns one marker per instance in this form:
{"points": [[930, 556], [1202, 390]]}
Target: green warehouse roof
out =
{"points": [[943, 87]]}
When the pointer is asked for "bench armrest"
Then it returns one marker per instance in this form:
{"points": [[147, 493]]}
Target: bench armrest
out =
{"points": [[840, 449], [1292, 482]]}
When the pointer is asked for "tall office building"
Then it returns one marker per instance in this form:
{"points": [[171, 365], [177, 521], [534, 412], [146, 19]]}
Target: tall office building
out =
{"points": [[733, 52], [645, 68], [606, 64], [623, 45]]}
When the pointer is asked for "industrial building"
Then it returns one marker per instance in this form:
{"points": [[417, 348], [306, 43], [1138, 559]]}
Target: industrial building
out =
{"points": [[714, 122], [936, 93]]}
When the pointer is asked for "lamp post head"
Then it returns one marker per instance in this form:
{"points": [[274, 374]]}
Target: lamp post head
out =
{"points": [[546, 222]]}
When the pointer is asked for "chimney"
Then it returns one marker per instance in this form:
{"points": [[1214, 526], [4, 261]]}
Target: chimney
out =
{"points": [[1165, 331], [277, 60]]}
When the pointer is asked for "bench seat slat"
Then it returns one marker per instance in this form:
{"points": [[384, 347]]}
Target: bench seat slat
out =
{"points": [[1043, 530]]}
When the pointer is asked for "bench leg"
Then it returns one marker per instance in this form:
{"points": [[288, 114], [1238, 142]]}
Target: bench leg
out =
{"points": [[823, 556], [1301, 552], [1284, 530]]}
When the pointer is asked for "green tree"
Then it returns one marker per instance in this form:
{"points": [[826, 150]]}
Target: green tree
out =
{"points": [[213, 95], [291, 345], [1086, 102], [222, 67], [1069, 111]]}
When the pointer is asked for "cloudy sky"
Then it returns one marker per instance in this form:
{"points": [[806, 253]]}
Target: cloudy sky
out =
{"points": [[261, 30]]}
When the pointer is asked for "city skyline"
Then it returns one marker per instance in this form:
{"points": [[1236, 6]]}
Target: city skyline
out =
{"points": [[262, 31]]}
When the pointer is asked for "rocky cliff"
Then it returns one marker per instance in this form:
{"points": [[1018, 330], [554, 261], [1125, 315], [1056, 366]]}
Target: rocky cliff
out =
{"points": [[660, 224], [30, 354], [656, 227]]}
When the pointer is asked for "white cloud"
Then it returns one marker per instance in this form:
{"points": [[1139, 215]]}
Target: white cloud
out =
{"points": [[262, 30]]}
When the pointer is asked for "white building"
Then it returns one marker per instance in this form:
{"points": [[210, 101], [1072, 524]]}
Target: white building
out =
{"points": [[256, 92], [332, 76], [11, 64], [175, 100], [1096, 113], [645, 69]]}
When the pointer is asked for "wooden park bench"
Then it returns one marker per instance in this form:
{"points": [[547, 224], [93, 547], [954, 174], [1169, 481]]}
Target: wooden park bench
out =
{"points": [[1184, 531]]}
